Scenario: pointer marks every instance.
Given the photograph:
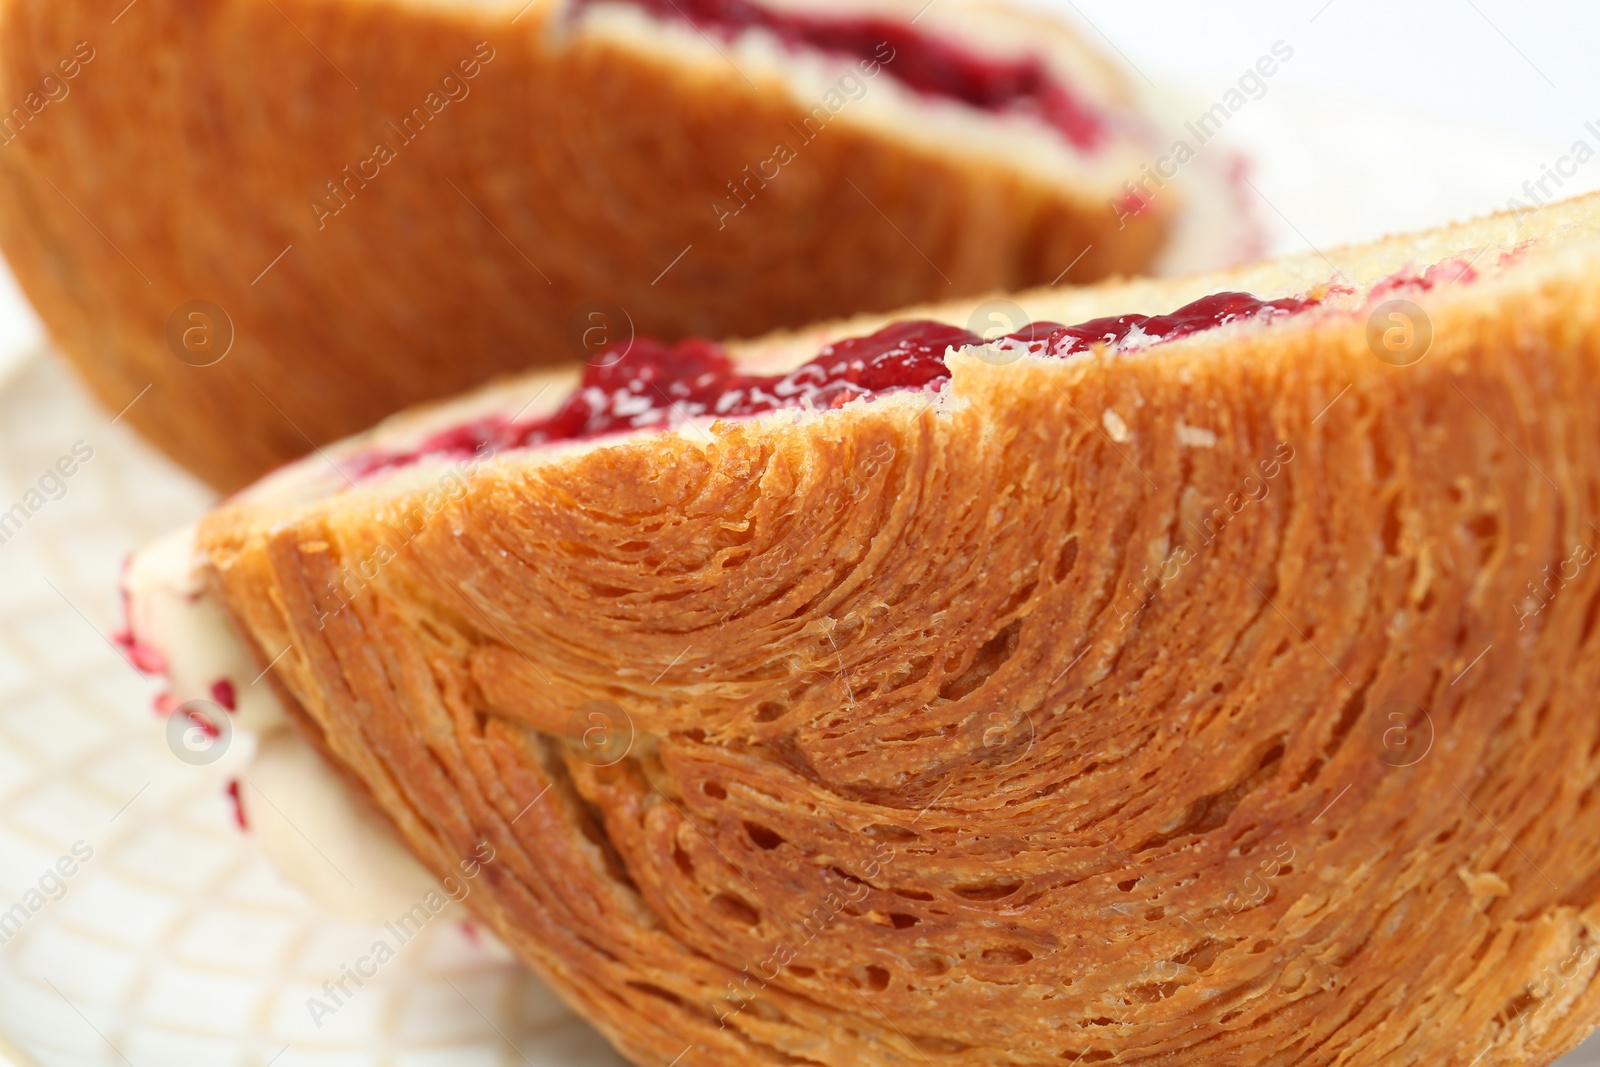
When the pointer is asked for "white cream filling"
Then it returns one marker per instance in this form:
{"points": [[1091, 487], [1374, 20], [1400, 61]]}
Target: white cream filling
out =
{"points": [[324, 839], [313, 829], [179, 628]]}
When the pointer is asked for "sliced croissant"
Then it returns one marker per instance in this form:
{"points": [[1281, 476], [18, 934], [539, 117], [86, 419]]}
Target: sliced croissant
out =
{"points": [[291, 218], [1220, 698]]}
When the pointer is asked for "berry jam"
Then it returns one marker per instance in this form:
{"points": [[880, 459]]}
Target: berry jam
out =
{"points": [[1445, 272], [917, 60], [238, 805], [654, 384]]}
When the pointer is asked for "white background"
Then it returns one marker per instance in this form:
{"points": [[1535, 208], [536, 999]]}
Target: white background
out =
{"points": [[1528, 66], [1456, 102]]}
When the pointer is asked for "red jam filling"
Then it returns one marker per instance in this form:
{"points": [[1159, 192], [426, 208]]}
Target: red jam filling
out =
{"points": [[656, 384], [147, 658], [238, 805], [1445, 272], [917, 60]]}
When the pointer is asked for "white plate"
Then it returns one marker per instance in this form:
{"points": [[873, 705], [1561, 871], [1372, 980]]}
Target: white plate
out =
{"points": [[174, 944]]}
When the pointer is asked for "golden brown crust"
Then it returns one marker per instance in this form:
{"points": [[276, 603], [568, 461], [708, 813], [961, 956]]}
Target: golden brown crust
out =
{"points": [[185, 156], [925, 765]]}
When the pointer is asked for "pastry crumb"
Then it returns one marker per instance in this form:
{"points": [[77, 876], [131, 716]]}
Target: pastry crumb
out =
{"points": [[1483, 886]]}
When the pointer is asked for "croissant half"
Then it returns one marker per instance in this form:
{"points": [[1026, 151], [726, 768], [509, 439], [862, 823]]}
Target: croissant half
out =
{"points": [[291, 218], [1222, 698]]}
